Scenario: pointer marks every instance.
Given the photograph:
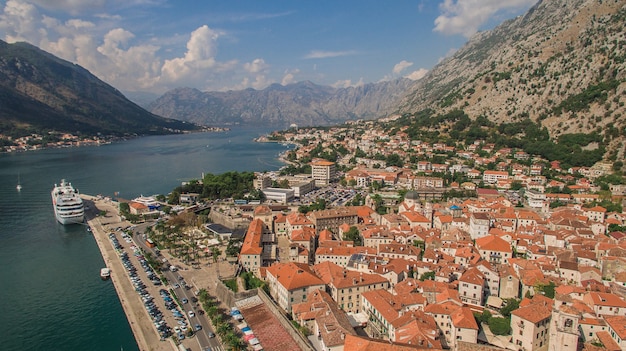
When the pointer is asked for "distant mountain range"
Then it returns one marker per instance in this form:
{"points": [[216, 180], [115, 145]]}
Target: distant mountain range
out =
{"points": [[562, 65], [303, 103], [40, 93]]}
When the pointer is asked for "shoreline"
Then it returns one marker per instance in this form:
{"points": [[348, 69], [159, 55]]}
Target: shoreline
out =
{"points": [[144, 332]]}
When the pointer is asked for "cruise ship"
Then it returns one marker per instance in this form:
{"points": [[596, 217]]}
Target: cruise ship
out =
{"points": [[68, 206]]}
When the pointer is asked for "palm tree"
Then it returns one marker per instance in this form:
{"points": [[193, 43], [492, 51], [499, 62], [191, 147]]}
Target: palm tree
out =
{"points": [[223, 328], [212, 310], [234, 341], [216, 252]]}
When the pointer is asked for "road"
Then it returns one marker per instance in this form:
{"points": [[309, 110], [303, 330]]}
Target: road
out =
{"points": [[173, 278]]}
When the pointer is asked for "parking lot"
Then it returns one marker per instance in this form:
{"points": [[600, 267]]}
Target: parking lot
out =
{"points": [[165, 313]]}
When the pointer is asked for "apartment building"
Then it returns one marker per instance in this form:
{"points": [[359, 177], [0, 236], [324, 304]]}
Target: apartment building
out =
{"points": [[530, 325], [346, 286], [290, 283], [323, 172], [331, 219]]}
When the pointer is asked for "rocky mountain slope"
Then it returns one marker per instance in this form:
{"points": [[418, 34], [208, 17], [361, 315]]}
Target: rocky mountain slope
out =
{"points": [[562, 64], [40, 92], [302, 103]]}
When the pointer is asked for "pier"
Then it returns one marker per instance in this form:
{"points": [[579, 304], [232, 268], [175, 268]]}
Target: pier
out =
{"points": [[140, 323]]}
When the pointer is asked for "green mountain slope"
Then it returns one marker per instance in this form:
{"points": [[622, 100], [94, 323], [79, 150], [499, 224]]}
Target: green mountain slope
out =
{"points": [[561, 66], [40, 92]]}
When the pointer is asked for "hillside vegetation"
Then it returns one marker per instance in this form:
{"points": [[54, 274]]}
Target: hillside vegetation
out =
{"points": [[560, 67]]}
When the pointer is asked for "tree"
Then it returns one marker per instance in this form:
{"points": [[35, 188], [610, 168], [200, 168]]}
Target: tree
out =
{"points": [[509, 306], [500, 326], [394, 160], [483, 317], [516, 185], [353, 235], [546, 289], [216, 253], [428, 276], [124, 208]]}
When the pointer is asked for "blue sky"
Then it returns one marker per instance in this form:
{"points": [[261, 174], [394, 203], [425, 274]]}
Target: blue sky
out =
{"points": [[159, 45]]}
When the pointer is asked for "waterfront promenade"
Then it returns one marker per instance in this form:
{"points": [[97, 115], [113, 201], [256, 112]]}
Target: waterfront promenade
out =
{"points": [[140, 323]]}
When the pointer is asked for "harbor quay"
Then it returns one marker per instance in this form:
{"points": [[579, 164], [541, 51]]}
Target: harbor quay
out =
{"points": [[142, 326]]}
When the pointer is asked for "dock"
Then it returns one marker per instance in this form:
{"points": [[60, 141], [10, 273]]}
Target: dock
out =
{"points": [[140, 322]]}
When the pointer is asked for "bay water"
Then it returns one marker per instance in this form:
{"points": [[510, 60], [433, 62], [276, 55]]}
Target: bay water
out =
{"points": [[51, 295]]}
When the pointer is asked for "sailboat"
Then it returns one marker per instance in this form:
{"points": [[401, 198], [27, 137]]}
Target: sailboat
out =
{"points": [[18, 186]]}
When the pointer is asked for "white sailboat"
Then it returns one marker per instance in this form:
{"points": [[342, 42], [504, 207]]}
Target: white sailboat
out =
{"points": [[19, 185]]}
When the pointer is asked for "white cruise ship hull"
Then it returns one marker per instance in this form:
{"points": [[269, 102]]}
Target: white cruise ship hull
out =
{"points": [[70, 220], [67, 204]]}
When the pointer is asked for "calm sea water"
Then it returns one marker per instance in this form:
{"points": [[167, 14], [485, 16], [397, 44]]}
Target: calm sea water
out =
{"points": [[51, 295]]}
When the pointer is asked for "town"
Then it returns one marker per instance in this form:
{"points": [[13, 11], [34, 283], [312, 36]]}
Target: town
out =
{"points": [[429, 246]]}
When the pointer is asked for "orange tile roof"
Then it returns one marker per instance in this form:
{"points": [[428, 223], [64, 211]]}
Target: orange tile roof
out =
{"points": [[293, 275], [415, 217], [358, 343], [464, 318], [604, 299], [534, 310], [343, 250], [618, 324], [493, 243], [607, 341], [383, 302], [473, 276], [252, 241], [304, 234], [335, 275]]}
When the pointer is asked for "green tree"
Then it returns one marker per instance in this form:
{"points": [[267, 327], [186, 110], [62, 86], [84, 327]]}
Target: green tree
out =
{"points": [[500, 326], [394, 160], [546, 289], [353, 235], [428, 276], [215, 252], [509, 306]]}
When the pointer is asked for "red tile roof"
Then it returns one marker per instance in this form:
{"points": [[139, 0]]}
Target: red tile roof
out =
{"points": [[294, 275]]}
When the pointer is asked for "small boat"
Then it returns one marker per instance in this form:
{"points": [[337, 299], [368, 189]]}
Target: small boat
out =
{"points": [[19, 185], [105, 273]]}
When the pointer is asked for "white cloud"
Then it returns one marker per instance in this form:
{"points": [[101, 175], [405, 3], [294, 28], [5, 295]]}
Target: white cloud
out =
{"points": [[18, 21], [347, 83], [401, 66], [289, 77], [256, 66], [466, 16], [201, 49], [317, 54], [416, 75]]}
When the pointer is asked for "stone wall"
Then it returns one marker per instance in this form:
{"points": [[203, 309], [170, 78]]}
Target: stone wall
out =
{"points": [[228, 221], [228, 297]]}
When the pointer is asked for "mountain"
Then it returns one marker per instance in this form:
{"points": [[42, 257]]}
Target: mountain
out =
{"points": [[562, 65], [302, 103], [40, 92]]}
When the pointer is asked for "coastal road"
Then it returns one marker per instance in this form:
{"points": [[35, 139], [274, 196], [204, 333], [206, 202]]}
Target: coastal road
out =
{"points": [[174, 279]]}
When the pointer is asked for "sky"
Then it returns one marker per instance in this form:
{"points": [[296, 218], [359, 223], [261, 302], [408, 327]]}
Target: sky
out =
{"points": [[219, 45]]}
